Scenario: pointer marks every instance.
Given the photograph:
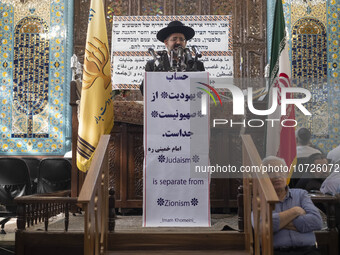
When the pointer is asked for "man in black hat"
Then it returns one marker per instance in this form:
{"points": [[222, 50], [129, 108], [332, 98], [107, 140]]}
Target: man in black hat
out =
{"points": [[175, 37]]}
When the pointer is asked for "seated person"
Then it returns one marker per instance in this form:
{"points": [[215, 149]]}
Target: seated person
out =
{"points": [[334, 155], [303, 151], [316, 172], [303, 148], [295, 217], [331, 185]]}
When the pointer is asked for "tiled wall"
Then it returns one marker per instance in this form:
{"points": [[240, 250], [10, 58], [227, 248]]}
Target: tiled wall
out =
{"points": [[35, 49], [314, 51]]}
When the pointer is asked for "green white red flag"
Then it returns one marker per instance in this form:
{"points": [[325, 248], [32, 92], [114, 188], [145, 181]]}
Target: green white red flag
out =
{"points": [[281, 140]]}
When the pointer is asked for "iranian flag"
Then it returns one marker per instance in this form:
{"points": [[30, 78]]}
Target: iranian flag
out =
{"points": [[280, 140]]}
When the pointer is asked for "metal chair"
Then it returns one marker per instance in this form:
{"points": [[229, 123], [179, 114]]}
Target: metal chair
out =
{"points": [[14, 182], [54, 175]]}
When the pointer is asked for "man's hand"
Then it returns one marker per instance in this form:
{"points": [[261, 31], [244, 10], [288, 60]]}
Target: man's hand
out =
{"points": [[289, 215], [290, 226], [298, 210]]}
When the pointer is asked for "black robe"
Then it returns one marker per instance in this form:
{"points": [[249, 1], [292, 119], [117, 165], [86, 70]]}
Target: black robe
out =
{"points": [[150, 67]]}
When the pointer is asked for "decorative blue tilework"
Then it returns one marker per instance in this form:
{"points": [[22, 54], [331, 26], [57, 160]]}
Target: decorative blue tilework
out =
{"points": [[314, 50], [35, 50]]}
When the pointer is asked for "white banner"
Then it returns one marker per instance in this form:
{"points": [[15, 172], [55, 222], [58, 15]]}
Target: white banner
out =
{"points": [[176, 135], [132, 36]]}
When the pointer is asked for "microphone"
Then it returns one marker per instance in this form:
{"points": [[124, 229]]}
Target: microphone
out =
{"points": [[188, 56], [180, 52], [155, 57], [196, 51], [173, 62], [162, 52]]}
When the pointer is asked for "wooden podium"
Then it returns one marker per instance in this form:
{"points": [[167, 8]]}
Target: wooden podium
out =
{"points": [[126, 159], [126, 156]]}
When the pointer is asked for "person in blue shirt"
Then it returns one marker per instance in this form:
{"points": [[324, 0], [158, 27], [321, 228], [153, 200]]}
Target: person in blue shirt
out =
{"points": [[316, 172], [331, 185], [295, 217]]}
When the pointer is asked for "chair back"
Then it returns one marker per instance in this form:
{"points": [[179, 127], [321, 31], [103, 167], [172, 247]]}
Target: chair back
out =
{"points": [[33, 167], [297, 174], [14, 181], [54, 175]]}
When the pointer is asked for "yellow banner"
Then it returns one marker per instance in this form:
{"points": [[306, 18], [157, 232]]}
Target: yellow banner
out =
{"points": [[96, 104]]}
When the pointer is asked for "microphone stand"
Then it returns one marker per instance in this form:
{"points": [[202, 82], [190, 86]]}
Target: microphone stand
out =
{"points": [[163, 58], [197, 55], [158, 62], [181, 59], [188, 59], [173, 62]]}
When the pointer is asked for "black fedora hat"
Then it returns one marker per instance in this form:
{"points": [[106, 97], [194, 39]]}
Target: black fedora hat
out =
{"points": [[175, 27]]}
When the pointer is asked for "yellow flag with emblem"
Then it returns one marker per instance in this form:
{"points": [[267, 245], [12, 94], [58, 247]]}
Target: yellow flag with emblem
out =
{"points": [[96, 104]]}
